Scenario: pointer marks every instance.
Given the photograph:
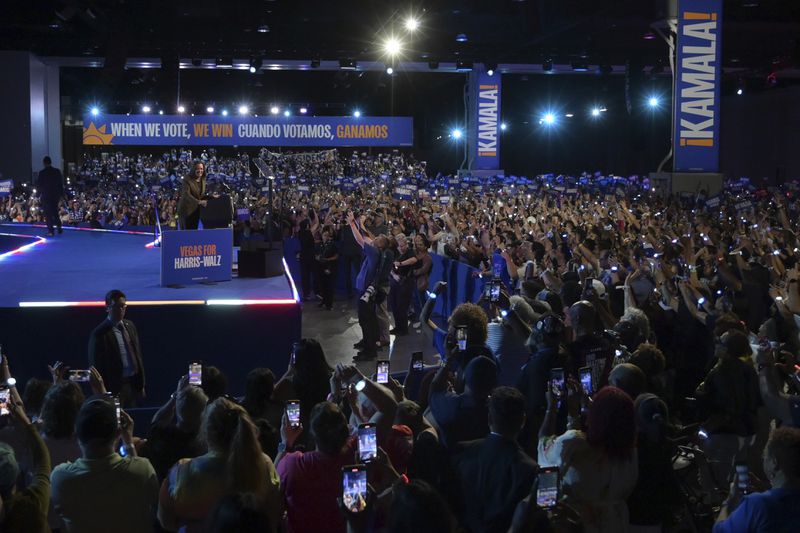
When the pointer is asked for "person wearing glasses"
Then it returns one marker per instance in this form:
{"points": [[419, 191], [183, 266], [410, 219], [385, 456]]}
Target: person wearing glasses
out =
{"points": [[115, 351]]}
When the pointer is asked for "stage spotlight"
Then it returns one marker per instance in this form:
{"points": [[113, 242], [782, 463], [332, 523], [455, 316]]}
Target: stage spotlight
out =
{"points": [[303, 110], [210, 109], [255, 65], [357, 113], [503, 126], [181, 109], [491, 67], [569, 115], [392, 46], [549, 119], [739, 91], [263, 28], [95, 111], [160, 111], [461, 38], [411, 24], [595, 111], [146, 109], [456, 134], [652, 101], [287, 113], [224, 112], [274, 110], [389, 71], [243, 110]]}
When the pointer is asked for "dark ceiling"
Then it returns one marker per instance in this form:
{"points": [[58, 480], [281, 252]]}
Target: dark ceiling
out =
{"points": [[757, 34]]}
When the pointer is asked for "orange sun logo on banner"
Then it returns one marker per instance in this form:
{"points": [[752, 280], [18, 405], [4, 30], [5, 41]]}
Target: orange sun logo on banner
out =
{"points": [[92, 135]]}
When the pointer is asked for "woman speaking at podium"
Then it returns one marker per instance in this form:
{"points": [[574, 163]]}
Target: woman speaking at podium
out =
{"points": [[193, 190]]}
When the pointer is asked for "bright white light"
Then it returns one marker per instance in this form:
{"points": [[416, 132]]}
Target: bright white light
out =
{"points": [[303, 110], [549, 118], [411, 24], [392, 46], [243, 109], [389, 71], [503, 126], [490, 72], [739, 91], [252, 69], [287, 113], [224, 112], [652, 101], [569, 115], [95, 111], [160, 111], [274, 110], [595, 111], [210, 109], [356, 113], [181, 109], [456, 134], [146, 109]]}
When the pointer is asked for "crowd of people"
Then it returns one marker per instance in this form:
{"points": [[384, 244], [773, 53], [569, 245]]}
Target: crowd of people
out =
{"points": [[631, 365]]}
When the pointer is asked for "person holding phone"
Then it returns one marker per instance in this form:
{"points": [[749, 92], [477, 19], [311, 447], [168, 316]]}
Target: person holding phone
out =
{"points": [[134, 498], [234, 463], [307, 378], [463, 416], [312, 480], [494, 473], [599, 465], [24, 509], [777, 509]]}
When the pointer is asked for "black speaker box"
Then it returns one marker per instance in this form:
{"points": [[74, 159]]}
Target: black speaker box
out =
{"points": [[261, 263]]}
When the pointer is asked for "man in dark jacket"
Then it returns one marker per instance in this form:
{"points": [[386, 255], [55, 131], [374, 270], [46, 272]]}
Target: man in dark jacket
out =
{"points": [[51, 189], [114, 350], [494, 473]]}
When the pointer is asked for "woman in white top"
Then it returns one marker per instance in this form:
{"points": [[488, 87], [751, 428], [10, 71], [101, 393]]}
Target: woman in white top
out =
{"points": [[598, 467]]}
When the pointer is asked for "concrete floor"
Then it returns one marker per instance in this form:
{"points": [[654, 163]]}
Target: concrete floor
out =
{"points": [[337, 330]]}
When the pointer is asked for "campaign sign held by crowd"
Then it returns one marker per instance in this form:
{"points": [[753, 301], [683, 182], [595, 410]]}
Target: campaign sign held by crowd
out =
{"points": [[5, 187], [196, 256], [154, 130], [697, 86]]}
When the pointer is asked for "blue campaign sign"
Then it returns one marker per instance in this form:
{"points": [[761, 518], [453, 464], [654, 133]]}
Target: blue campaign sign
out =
{"points": [[5, 187], [696, 107], [196, 256], [487, 156], [205, 130]]}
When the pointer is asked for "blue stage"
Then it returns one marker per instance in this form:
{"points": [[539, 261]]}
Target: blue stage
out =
{"points": [[51, 297]]}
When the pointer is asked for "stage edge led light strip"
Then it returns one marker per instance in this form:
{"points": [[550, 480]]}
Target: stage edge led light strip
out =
{"points": [[228, 302], [24, 247], [295, 294], [75, 228]]}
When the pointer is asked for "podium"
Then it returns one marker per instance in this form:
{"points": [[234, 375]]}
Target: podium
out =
{"points": [[218, 213]]}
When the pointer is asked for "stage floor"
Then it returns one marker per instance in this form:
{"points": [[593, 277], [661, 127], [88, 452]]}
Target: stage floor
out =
{"points": [[82, 265]]}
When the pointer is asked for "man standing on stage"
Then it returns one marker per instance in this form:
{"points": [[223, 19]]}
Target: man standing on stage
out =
{"points": [[51, 189], [114, 350]]}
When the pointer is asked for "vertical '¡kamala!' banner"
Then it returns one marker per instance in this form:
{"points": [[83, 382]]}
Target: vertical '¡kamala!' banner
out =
{"points": [[487, 146], [697, 82]]}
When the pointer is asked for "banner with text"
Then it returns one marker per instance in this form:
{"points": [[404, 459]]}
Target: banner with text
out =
{"points": [[206, 130], [196, 256], [5, 187], [696, 106], [487, 122]]}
